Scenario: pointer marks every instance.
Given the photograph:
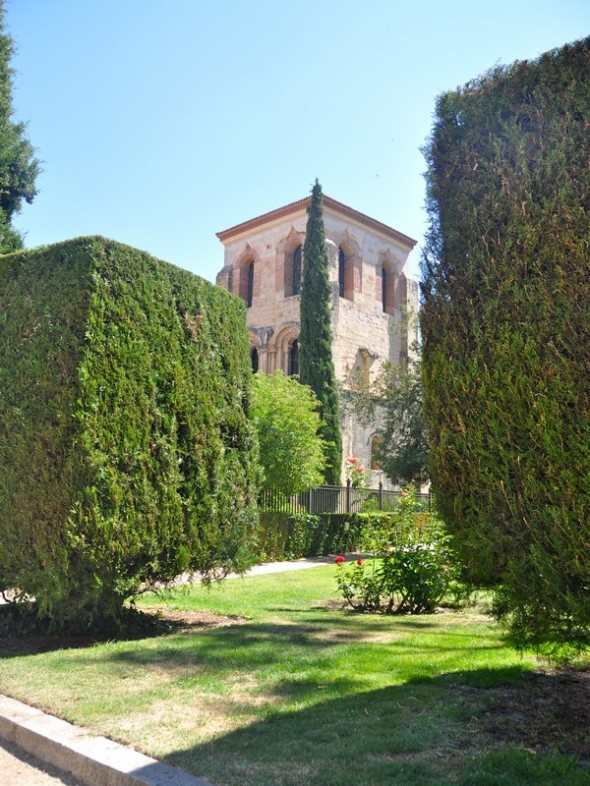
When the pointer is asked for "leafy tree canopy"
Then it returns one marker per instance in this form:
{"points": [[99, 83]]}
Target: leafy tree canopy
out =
{"points": [[402, 451], [18, 166], [285, 414], [395, 401]]}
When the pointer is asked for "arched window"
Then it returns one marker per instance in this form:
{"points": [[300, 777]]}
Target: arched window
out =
{"points": [[250, 284], [346, 274], [254, 359], [297, 259], [376, 443], [293, 359], [289, 262], [341, 272], [387, 289]]}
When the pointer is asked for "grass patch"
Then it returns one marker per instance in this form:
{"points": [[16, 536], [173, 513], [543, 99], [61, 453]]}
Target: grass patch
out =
{"points": [[291, 689]]}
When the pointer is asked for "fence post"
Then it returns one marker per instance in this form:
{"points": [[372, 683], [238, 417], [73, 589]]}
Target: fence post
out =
{"points": [[380, 495], [310, 503], [348, 495]]}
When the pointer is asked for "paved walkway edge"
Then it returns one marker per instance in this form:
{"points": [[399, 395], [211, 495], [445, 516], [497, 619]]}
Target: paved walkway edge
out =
{"points": [[97, 761]]}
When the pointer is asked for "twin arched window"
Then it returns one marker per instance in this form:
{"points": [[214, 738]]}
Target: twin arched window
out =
{"points": [[293, 269], [246, 282], [345, 274], [341, 272], [384, 287], [376, 444]]}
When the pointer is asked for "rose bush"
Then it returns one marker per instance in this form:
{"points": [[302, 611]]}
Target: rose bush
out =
{"points": [[409, 570]]}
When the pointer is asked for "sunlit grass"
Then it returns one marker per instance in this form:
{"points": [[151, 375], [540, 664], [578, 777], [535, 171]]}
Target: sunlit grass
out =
{"points": [[301, 691]]}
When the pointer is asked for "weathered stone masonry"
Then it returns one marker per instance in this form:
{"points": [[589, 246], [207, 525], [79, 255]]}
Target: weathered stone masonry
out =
{"points": [[370, 294]]}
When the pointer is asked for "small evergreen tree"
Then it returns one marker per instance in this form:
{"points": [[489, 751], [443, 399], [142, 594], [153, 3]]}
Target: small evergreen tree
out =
{"points": [[316, 367], [18, 167]]}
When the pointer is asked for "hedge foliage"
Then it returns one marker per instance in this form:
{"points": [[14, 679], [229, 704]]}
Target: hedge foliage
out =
{"points": [[294, 535], [126, 455], [506, 329]]}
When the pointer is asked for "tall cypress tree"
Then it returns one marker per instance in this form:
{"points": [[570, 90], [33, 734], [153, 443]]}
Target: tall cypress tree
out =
{"points": [[18, 167], [506, 329], [316, 367]]}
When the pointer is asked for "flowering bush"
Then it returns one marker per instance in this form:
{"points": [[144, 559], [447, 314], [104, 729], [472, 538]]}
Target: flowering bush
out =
{"points": [[409, 571], [361, 590], [356, 473]]}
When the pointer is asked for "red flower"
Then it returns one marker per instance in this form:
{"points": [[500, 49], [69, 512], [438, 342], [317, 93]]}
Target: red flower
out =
{"points": [[338, 560], [359, 562], [352, 460]]}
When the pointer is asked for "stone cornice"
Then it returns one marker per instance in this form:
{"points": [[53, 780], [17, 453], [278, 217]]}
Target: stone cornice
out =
{"points": [[294, 209]]}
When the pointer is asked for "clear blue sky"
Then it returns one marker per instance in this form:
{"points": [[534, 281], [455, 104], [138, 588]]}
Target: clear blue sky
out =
{"points": [[161, 122]]}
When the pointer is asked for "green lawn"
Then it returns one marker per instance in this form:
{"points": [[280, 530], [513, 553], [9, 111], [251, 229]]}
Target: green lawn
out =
{"points": [[303, 692]]}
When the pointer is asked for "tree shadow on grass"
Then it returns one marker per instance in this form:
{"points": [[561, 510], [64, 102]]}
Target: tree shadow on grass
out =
{"points": [[219, 634], [340, 612], [516, 731], [253, 645], [23, 633], [478, 727]]}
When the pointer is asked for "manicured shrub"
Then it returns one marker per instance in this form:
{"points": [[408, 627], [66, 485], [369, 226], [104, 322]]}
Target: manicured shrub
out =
{"points": [[294, 535], [506, 331], [126, 455]]}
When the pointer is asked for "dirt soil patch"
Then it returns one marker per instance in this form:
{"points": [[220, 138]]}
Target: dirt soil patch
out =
{"points": [[550, 710], [188, 620]]}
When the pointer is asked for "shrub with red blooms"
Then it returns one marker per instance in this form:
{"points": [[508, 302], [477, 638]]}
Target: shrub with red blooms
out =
{"points": [[409, 573]]}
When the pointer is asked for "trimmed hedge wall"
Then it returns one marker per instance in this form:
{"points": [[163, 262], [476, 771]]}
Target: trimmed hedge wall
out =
{"points": [[506, 329], [295, 535], [126, 455]]}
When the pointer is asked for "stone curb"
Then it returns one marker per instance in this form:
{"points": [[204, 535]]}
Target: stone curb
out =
{"points": [[94, 760]]}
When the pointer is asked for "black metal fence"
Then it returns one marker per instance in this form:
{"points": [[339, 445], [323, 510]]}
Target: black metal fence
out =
{"points": [[336, 499]]}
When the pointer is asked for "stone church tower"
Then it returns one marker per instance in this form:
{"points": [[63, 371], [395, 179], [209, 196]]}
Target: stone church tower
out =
{"points": [[371, 293]]}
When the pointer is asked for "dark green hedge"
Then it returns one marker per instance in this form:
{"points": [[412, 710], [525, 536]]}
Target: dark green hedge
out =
{"points": [[295, 535], [126, 455], [506, 328]]}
